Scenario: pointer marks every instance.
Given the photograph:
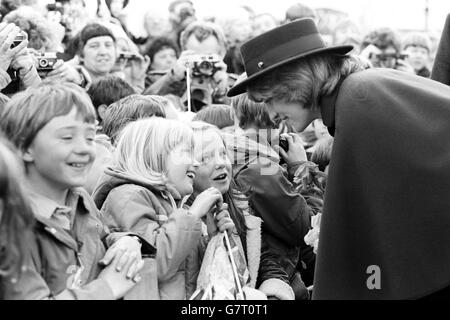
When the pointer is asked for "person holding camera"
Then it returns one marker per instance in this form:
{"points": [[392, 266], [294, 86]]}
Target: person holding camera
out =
{"points": [[382, 48], [201, 62], [272, 190], [16, 63]]}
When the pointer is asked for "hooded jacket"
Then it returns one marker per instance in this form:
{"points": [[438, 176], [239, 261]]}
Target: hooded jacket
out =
{"points": [[272, 197], [152, 213], [63, 264]]}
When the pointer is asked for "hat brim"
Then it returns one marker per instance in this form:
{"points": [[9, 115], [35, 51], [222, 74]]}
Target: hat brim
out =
{"points": [[241, 87]]}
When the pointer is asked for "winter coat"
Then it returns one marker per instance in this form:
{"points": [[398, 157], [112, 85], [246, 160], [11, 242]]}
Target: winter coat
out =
{"points": [[272, 197], [61, 263], [266, 273], [441, 66], [385, 223], [132, 205]]}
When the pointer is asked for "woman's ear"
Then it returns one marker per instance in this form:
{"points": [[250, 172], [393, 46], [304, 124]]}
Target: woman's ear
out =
{"points": [[27, 156], [102, 111]]}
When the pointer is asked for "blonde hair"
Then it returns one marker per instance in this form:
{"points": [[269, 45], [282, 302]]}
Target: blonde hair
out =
{"points": [[306, 80], [144, 146]]}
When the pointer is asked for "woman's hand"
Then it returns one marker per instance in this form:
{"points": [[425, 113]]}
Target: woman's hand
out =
{"points": [[135, 69], [9, 32], [62, 71], [205, 201], [221, 222], [296, 150], [23, 62]]}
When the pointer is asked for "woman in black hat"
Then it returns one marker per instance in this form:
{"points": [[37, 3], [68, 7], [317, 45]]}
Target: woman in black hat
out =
{"points": [[386, 220]]}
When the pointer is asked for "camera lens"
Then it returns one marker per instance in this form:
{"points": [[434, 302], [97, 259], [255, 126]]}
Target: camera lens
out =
{"points": [[43, 63]]}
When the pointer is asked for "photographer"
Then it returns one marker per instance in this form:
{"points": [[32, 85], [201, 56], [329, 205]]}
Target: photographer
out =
{"points": [[271, 189], [203, 45], [383, 49], [15, 60]]}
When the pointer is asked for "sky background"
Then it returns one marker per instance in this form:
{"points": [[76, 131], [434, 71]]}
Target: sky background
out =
{"points": [[397, 14]]}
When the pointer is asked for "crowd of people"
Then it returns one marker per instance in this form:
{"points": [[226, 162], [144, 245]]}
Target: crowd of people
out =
{"points": [[121, 157]]}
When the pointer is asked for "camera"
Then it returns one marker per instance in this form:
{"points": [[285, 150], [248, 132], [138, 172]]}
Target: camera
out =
{"points": [[19, 38], [127, 56], [45, 62], [284, 144], [204, 65]]}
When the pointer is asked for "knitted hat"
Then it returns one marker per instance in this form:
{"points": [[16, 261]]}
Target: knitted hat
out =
{"points": [[418, 40], [94, 30]]}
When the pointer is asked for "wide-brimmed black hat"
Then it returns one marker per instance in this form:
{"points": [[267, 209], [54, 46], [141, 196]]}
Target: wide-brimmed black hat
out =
{"points": [[279, 46]]}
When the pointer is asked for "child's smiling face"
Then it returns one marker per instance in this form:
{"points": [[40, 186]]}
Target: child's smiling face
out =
{"points": [[181, 169], [62, 152]]}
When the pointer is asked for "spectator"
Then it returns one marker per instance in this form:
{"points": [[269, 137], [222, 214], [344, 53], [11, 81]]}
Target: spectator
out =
{"points": [[347, 33], [257, 171], [130, 109], [200, 40], [143, 192], [418, 46], [216, 114], [382, 47], [97, 50], [263, 22], [299, 11], [98, 56], [157, 25], [106, 91], [53, 127], [181, 14], [103, 159], [17, 68], [16, 218], [215, 171], [322, 153], [163, 54], [237, 29], [43, 35]]}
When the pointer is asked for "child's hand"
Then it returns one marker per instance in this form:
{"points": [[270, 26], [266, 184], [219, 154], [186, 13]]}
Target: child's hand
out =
{"points": [[205, 201], [222, 222], [123, 281], [126, 250], [296, 149]]}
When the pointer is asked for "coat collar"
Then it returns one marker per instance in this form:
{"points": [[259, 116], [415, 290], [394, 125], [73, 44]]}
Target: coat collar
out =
{"points": [[327, 105]]}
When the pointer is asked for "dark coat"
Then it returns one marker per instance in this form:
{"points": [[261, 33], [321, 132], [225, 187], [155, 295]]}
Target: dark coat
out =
{"points": [[131, 205], [273, 197], [441, 67], [387, 202]]}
